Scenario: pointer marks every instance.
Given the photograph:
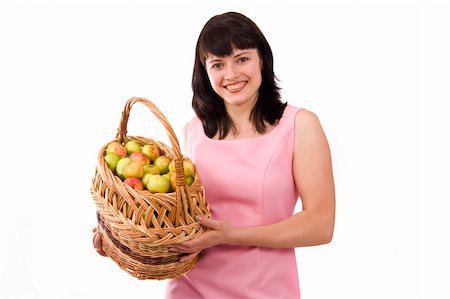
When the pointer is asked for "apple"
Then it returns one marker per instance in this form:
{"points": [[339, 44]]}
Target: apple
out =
{"points": [[145, 178], [173, 181], [135, 183], [133, 169], [121, 165], [111, 160], [189, 180], [158, 184], [172, 166], [132, 146], [162, 162], [189, 169], [117, 149], [151, 151], [139, 157], [151, 169]]}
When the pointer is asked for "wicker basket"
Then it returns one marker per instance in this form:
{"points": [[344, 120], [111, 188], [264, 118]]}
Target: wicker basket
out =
{"points": [[137, 227]]}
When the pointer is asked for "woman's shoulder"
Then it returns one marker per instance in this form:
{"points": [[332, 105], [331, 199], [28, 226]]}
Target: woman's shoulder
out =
{"points": [[308, 126], [304, 116]]}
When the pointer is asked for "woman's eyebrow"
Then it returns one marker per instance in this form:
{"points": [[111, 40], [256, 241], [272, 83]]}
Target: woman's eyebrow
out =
{"points": [[218, 59]]}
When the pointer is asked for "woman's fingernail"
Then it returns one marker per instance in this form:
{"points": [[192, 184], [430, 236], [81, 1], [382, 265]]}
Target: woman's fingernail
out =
{"points": [[199, 218]]}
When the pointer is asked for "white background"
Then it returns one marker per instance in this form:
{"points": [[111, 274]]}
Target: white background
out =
{"points": [[375, 72]]}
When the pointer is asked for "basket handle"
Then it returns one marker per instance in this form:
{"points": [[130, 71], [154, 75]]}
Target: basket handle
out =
{"points": [[182, 194], [122, 130]]}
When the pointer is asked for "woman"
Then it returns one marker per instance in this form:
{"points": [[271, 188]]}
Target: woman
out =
{"points": [[256, 156]]}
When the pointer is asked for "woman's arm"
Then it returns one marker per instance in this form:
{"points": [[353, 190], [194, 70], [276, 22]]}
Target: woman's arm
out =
{"points": [[314, 225]]}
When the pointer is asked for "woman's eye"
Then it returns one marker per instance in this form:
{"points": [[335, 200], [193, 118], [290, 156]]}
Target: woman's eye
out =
{"points": [[243, 59], [216, 66]]}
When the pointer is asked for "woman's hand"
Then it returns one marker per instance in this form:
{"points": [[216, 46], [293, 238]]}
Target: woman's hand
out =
{"points": [[97, 242], [218, 232]]}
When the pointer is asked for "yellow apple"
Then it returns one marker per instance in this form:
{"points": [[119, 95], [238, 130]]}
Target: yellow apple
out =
{"points": [[151, 151], [133, 169], [173, 181], [162, 162], [189, 168]]}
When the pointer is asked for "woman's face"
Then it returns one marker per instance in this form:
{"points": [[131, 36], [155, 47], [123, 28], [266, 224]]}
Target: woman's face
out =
{"points": [[235, 78]]}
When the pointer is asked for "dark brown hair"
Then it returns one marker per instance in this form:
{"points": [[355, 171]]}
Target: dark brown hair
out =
{"points": [[219, 36]]}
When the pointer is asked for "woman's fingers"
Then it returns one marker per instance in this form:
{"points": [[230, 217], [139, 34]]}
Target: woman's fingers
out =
{"points": [[97, 242], [189, 257]]}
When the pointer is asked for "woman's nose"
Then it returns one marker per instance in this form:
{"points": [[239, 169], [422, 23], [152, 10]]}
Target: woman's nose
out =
{"points": [[231, 72]]}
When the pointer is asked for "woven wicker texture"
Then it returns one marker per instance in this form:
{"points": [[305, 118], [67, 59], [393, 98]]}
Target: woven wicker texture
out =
{"points": [[137, 227]]}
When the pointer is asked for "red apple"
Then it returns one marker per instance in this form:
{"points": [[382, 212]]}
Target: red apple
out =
{"points": [[135, 183], [117, 149], [151, 151], [139, 157]]}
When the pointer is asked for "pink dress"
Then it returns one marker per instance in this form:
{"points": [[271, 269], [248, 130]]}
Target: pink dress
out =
{"points": [[248, 182]]}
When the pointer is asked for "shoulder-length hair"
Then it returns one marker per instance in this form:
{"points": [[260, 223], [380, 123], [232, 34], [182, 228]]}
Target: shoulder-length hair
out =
{"points": [[220, 35]]}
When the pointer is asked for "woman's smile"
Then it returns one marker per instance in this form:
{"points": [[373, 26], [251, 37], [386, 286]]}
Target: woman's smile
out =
{"points": [[236, 87]]}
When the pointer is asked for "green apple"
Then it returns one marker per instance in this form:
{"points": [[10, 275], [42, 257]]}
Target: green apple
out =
{"points": [[117, 149], [158, 184], [111, 160], [189, 180], [145, 178], [151, 151], [135, 183], [133, 170], [151, 169], [162, 162], [121, 165], [133, 146]]}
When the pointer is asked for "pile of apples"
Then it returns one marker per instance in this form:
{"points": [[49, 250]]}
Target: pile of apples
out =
{"points": [[145, 167]]}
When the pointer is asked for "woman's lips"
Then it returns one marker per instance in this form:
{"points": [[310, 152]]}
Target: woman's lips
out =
{"points": [[235, 87]]}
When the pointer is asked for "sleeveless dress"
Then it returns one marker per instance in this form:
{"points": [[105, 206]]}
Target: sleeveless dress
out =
{"points": [[248, 182]]}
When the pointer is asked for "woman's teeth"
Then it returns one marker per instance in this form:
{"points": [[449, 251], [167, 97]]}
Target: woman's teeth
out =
{"points": [[235, 87]]}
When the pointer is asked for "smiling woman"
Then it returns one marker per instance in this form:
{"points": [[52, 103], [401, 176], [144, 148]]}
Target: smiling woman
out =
{"points": [[235, 78], [244, 141]]}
